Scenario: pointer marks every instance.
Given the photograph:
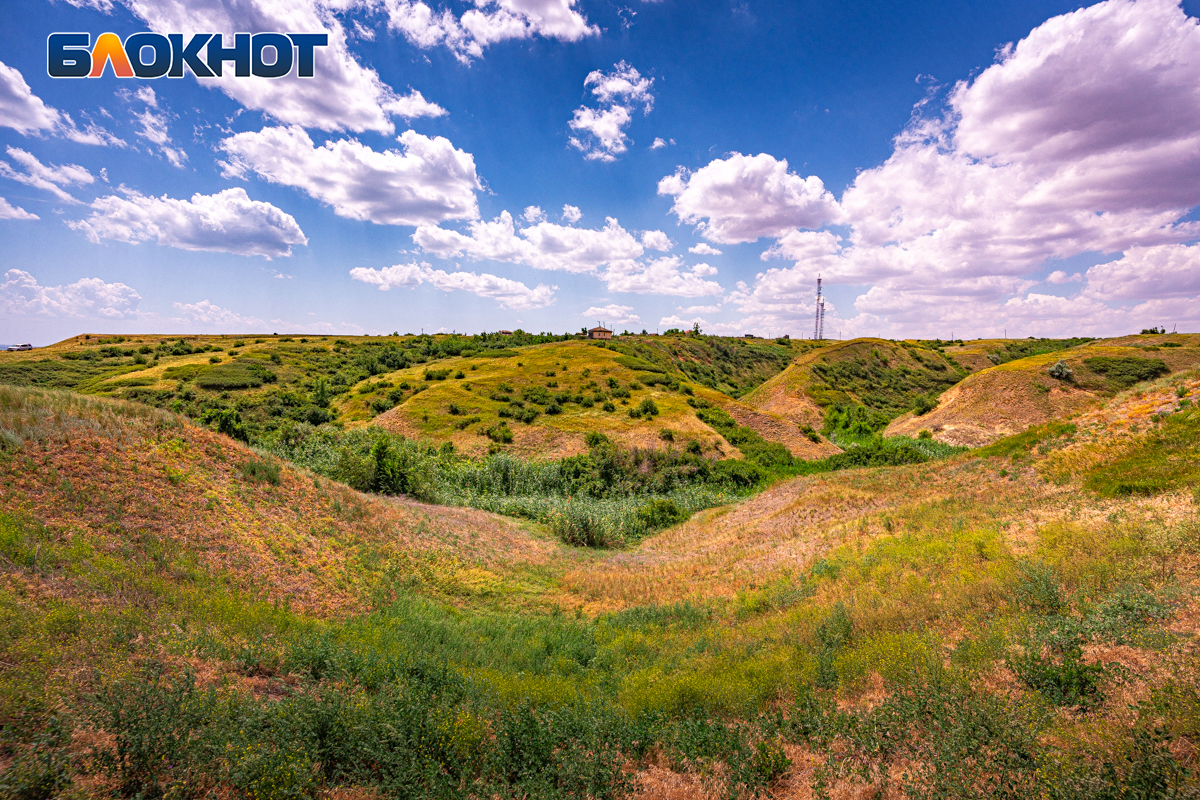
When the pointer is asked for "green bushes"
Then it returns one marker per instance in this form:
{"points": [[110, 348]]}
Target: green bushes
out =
{"points": [[261, 471], [1122, 373], [755, 448]]}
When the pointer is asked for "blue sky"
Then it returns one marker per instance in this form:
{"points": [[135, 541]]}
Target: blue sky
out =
{"points": [[947, 167]]}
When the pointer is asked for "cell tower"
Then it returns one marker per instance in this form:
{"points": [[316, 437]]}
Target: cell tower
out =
{"points": [[819, 315]]}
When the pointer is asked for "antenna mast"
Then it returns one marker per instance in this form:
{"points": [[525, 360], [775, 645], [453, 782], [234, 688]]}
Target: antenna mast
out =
{"points": [[819, 314]]}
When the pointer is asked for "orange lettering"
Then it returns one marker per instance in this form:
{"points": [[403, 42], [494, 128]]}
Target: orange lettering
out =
{"points": [[108, 48]]}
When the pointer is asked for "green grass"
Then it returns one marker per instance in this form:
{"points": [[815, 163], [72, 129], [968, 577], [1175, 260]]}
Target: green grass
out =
{"points": [[1121, 373], [1022, 444], [1165, 459]]}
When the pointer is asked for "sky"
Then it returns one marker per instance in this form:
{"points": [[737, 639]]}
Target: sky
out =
{"points": [[949, 169]]}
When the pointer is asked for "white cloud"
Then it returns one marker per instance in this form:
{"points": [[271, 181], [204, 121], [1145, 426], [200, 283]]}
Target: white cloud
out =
{"points": [[9, 211], [22, 295], [533, 214], [704, 249], [491, 21], [1083, 137], [226, 222], [213, 316], [344, 95], [429, 182], [154, 127], [571, 214], [623, 86], [612, 314], [713, 309], [744, 198], [657, 240], [1164, 271], [45, 176], [602, 131], [542, 246], [506, 292], [20, 108], [658, 143], [661, 276], [24, 112]]}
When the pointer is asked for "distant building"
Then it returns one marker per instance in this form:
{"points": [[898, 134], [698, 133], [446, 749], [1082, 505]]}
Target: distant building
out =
{"points": [[504, 333], [599, 333]]}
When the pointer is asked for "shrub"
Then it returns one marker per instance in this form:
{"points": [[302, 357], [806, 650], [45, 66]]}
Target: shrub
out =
{"points": [[608, 406], [1068, 682], [455, 409], [436, 374], [648, 407], [810, 433], [659, 513], [1125, 372], [261, 471], [460, 375], [923, 405], [596, 439], [1061, 372], [667, 435], [553, 409], [501, 433]]}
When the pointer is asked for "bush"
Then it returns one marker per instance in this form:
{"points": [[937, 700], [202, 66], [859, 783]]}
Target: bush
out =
{"points": [[1069, 682], [659, 513], [923, 405], [501, 433], [261, 471], [1061, 372], [1125, 372]]}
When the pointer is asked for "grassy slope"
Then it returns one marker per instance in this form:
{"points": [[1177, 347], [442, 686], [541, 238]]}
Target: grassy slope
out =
{"points": [[157, 548], [574, 365], [1006, 399], [801, 395]]}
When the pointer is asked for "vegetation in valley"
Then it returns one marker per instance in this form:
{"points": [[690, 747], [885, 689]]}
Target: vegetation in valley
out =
{"points": [[348, 643]]}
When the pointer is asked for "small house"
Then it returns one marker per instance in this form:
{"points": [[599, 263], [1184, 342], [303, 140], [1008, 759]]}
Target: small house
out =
{"points": [[599, 333]]}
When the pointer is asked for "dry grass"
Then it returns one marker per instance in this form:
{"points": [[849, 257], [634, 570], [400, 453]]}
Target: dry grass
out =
{"points": [[118, 473]]}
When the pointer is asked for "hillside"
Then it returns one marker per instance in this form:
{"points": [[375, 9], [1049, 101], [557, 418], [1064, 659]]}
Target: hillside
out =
{"points": [[1015, 395], [258, 388], [549, 397], [883, 376], [183, 616]]}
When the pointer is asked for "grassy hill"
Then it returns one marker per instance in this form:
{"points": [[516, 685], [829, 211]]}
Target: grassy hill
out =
{"points": [[1017, 394], [183, 616]]}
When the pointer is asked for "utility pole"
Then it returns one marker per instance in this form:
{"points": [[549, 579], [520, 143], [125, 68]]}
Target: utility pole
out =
{"points": [[819, 314]]}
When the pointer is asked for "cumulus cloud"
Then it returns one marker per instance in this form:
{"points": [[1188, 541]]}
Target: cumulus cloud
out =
{"points": [[704, 249], [344, 95], [1082, 137], [9, 211], [602, 131], [744, 198], [213, 316], [1164, 271], [666, 275], [490, 22], [571, 214], [428, 182], [659, 143], [226, 222], [657, 240], [544, 245], [26, 113], [48, 177], [22, 295], [612, 314], [508, 293], [533, 214]]}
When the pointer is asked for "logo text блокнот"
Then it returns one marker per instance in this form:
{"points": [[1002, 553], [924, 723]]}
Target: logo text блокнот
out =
{"points": [[72, 55]]}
